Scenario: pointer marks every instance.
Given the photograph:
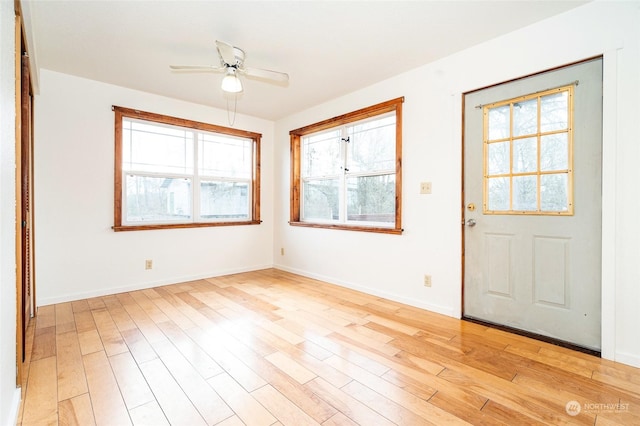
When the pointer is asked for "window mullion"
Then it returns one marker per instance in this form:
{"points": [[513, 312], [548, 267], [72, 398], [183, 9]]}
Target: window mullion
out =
{"points": [[195, 190], [343, 175], [538, 147], [511, 156]]}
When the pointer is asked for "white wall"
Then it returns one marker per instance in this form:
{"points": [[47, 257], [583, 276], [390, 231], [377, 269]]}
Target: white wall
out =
{"points": [[393, 266], [9, 395], [78, 255]]}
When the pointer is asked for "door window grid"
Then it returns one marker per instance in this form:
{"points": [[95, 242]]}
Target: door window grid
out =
{"points": [[528, 154]]}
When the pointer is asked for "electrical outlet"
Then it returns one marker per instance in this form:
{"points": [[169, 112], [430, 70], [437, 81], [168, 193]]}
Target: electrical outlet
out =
{"points": [[281, 251], [427, 280], [148, 264], [425, 187]]}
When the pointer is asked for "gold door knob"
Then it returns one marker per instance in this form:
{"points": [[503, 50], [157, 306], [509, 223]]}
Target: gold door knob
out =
{"points": [[471, 207]]}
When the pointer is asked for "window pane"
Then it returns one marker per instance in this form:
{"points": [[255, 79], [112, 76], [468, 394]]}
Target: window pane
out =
{"points": [[151, 199], [498, 199], [525, 193], [321, 154], [525, 117], [553, 192], [372, 145], [498, 158], [371, 198], [321, 200], [224, 200], [158, 149], [536, 171], [554, 112], [225, 156], [525, 155], [554, 152], [499, 123]]}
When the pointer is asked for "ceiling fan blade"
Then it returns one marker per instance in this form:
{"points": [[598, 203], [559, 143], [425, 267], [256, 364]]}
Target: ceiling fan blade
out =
{"points": [[226, 52], [281, 77], [196, 68]]}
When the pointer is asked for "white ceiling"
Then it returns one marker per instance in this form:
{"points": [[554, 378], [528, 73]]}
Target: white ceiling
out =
{"points": [[329, 48]]}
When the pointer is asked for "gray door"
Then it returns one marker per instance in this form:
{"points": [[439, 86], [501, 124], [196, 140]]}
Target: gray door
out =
{"points": [[532, 193]]}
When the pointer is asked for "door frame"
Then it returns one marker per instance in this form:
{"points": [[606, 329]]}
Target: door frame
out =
{"points": [[18, 181], [607, 311], [23, 160]]}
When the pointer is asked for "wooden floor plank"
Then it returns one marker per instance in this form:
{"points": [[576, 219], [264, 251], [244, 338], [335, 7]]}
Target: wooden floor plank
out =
{"points": [[232, 421], [84, 320], [246, 407], [108, 406], [76, 411], [305, 399], [339, 419], [90, 342], [208, 403], [142, 299], [291, 367], [388, 408], [346, 404], [175, 405], [200, 360], [274, 348], [46, 316], [109, 334], [139, 346], [429, 413], [41, 399], [149, 414], [283, 409], [120, 316], [44, 343], [146, 325], [133, 386], [173, 313], [65, 321], [71, 376], [213, 344]]}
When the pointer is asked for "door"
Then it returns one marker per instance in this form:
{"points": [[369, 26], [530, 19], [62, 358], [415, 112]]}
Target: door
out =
{"points": [[26, 198], [532, 194]]}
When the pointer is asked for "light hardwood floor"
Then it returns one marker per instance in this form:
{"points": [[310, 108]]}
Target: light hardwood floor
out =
{"points": [[273, 348]]}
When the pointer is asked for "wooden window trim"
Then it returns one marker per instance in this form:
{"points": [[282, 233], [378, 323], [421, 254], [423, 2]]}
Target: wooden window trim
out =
{"points": [[121, 112], [393, 105]]}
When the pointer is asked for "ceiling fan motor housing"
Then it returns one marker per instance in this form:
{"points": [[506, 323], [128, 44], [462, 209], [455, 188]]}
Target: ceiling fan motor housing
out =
{"points": [[239, 54]]}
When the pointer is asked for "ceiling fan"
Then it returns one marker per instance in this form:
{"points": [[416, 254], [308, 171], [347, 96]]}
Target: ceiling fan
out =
{"points": [[232, 65]]}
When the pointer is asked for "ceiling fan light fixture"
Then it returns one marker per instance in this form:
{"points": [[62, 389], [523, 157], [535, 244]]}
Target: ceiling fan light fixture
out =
{"points": [[231, 83]]}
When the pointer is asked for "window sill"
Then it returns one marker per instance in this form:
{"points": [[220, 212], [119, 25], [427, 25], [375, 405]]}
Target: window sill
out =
{"points": [[378, 230], [182, 225]]}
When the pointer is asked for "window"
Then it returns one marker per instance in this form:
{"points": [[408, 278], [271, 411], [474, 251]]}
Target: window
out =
{"points": [[346, 171], [176, 173], [528, 154]]}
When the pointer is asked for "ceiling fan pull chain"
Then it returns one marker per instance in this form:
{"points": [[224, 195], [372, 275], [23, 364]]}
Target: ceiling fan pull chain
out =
{"points": [[235, 105]]}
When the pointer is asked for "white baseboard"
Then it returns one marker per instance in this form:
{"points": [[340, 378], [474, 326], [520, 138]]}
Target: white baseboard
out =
{"points": [[444, 310], [144, 285], [629, 359], [12, 419]]}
